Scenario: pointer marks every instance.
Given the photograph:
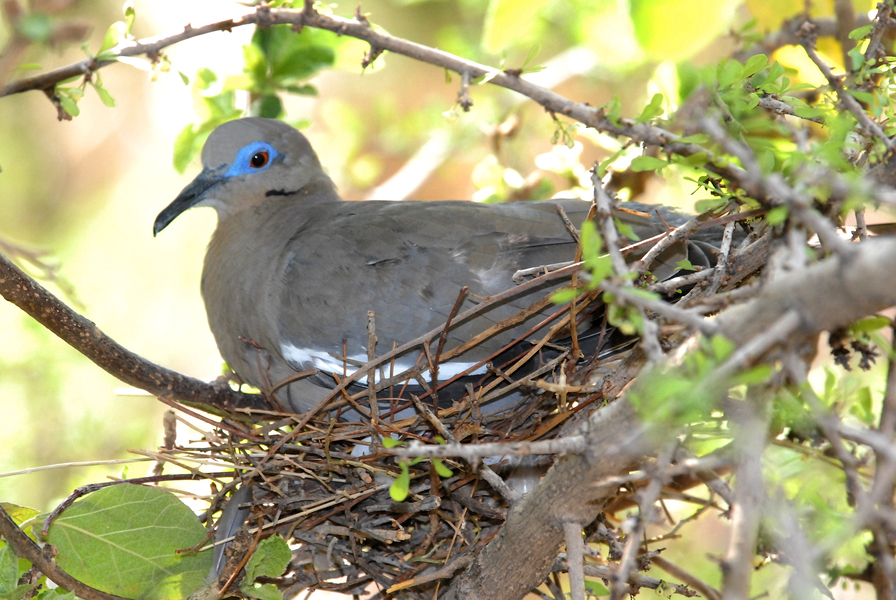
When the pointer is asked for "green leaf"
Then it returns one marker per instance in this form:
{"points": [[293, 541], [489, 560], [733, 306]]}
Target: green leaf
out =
{"points": [[441, 469], [124, 540], [729, 72], [721, 347], [184, 78], [766, 160], [130, 13], [708, 204], [653, 109], [626, 230], [69, 105], [104, 95], [254, 65], [697, 138], [509, 21], [36, 27], [184, 148], [695, 160], [114, 34], [863, 408], [754, 64], [861, 96], [861, 32], [809, 113], [613, 109], [685, 265], [564, 296], [648, 163], [267, 106], [596, 588], [270, 559], [756, 375], [389, 442], [402, 485], [869, 324], [9, 572], [777, 215]]}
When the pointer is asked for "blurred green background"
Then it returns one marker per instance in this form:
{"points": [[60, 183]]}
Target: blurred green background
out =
{"points": [[87, 191]]}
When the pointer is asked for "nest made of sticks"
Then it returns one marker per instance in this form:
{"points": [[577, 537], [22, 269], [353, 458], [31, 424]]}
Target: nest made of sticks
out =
{"points": [[324, 483]]}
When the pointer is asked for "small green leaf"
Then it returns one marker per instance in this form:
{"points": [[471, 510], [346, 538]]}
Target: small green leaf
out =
{"points": [[708, 204], [697, 138], [36, 27], [402, 485], [861, 96], [861, 32], [754, 64], [653, 109], [114, 34], [809, 113], [613, 109], [184, 148], [130, 13], [270, 559], [685, 265], [775, 71], [729, 72], [389, 442], [721, 346], [596, 588], [756, 375], [184, 78], [69, 105], [9, 572], [441, 469], [626, 230], [766, 160], [695, 161], [648, 163], [777, 215], [564, 296], [869, 324], [104, 95]]}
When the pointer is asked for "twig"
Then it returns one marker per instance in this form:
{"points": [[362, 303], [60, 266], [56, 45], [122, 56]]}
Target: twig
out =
{"points": [[575, 559], [472, 452]]}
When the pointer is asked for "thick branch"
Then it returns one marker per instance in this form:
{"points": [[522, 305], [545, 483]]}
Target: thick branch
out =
{"points": [[827, 295], [85, 337]]}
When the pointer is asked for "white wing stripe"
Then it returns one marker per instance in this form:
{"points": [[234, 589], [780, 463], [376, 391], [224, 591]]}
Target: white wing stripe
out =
{"points": [[306, 358]]}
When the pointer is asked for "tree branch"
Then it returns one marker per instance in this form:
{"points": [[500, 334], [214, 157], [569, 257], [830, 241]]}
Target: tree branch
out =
{"points": [[85, 337], [829, 294]]}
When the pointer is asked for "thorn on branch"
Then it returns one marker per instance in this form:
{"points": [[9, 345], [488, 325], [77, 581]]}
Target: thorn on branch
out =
{"points": [[463, 96], [361, 17], [371, 56]]}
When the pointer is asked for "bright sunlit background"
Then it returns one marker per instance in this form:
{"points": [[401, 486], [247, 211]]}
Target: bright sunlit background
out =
{"points": [[87, 191]]}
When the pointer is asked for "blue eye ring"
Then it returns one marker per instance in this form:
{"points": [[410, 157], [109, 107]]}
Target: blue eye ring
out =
{"points": [[252, 158]]}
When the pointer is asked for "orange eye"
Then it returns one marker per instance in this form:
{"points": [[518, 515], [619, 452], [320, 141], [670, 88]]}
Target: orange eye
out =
{"points": [[259, 159]]}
